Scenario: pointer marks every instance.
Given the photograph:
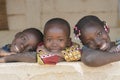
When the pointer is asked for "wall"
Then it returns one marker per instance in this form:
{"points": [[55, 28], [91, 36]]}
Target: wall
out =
{"points": [[34, 13], [61, 71]]}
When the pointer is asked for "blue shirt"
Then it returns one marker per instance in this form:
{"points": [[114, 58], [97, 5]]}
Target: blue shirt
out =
{"points": [[6, 48]]}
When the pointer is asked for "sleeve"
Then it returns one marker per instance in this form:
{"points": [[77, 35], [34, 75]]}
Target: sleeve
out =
{"points": [[6, 48], [117, 42], [117, 48], [45, 58], [72, 53]]}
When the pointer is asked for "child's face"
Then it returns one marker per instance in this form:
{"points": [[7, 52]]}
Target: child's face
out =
{"points": [[24, 41], [55, 39], [95, 37]]}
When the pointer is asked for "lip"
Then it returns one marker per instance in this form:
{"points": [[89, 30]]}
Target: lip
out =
{"points": [[55, 50], [104, 47], [17, 49]]}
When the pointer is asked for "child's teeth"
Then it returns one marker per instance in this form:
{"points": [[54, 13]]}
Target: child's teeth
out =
{"points": [[103, 46], [17, 48]]}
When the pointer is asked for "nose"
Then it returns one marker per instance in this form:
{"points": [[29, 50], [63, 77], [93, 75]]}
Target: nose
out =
{"points": [[54, 43], [98, 42]]}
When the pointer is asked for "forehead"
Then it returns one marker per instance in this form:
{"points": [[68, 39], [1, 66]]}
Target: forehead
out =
{"points": [[29, 35], [91, 30], [55, 32], [56, 28]]}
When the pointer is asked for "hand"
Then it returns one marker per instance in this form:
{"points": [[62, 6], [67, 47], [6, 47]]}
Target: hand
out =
{"points": [[2, 60], [4, 53]]}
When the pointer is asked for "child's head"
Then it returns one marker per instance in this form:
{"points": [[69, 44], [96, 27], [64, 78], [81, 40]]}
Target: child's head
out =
{"points": [[26, 40], [93, 32], [56, 34]]}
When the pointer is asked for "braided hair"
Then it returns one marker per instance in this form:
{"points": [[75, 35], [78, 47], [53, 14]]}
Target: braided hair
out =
{"points": [[88, 20]]}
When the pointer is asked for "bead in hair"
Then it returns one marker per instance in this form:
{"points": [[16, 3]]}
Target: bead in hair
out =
{"points": [[106, 27], [78, 33]]}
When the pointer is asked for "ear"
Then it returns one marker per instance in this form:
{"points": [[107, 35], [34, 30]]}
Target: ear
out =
{"points": [[18, 34]]}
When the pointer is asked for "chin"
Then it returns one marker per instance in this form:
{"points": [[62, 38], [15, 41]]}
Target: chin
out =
{"points": [[54, 51]]}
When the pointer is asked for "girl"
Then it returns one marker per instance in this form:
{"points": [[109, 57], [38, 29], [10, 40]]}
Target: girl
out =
{"points": [[98, 49]]}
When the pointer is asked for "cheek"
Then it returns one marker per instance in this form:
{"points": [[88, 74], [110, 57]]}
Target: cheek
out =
{"points": [[63, 45], [47, 44], [93, 46], [16, 40], [106, 37]]}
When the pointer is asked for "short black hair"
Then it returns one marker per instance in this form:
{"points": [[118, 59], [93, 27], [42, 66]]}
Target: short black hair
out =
{"points": [[36, 32], [58, 21]]}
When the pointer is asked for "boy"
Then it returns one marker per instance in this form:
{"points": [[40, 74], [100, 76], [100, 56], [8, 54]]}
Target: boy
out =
{"points": [[57, 43], [23, 46]]}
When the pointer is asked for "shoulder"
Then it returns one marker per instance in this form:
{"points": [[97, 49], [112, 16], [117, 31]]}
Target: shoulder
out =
{"points": [[41, 50]]}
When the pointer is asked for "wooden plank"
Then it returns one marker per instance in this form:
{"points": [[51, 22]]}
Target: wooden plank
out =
{"points": [[3, 15]]}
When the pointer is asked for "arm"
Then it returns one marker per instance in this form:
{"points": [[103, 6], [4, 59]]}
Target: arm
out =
{"points": [[95, 58], [20, 57], [4, 53]]}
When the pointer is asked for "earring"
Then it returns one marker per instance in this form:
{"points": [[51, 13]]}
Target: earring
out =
{"points": [[106, 27]]}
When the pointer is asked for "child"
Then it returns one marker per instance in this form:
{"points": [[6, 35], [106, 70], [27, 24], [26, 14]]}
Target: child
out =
{"points": [[57, 43], [23, 46], [98, 49]]}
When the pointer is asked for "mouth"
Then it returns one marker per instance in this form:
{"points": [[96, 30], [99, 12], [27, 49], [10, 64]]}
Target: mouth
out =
{"points": [[104, 47], [15, 48], [54, 50]]}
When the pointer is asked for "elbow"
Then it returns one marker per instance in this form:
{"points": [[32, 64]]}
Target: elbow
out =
{"points": [[91, 62]]}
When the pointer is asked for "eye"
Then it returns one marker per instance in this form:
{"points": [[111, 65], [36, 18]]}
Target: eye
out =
{"points": [[61, 40], [99, 33], [23, 38], [48, 40]]}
